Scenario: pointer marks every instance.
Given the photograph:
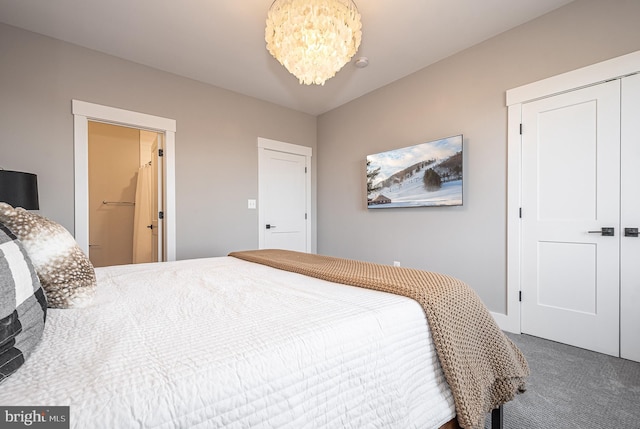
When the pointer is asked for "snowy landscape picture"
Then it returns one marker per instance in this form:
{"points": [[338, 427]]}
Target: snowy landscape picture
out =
{"points": [[428, 174]]}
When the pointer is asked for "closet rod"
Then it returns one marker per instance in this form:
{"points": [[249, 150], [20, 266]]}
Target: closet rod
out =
{"points": [[122, 203]]}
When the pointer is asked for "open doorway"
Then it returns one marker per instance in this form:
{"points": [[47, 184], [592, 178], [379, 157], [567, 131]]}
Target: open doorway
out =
{"points": [[125, 192], [83, 112]]}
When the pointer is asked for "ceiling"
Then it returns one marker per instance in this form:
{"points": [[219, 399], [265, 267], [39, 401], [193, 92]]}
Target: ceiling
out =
{"points": [[221, 42]]}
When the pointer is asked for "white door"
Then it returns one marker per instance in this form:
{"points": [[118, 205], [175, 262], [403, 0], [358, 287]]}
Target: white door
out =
{"points": [[630, 220], [157, 225], [283, 191], [570, 196]]}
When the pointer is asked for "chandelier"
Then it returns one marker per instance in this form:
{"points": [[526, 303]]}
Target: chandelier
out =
{"points": [[313, 39]]}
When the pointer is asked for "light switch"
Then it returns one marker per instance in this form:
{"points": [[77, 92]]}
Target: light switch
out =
{"points": [[251, 204]]}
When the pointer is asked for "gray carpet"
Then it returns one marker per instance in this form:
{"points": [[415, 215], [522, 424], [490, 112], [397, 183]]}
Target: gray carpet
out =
{"points": [[574, 388]]}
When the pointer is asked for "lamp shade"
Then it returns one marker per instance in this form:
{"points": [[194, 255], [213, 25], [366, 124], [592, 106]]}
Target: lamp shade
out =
{"points": [[19, 189]]}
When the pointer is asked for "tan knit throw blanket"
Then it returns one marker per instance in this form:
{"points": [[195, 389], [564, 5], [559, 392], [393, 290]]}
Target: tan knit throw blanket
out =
{"points": [[483, 368]]}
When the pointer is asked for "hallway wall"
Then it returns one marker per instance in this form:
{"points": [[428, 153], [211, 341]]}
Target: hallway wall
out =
{"points": [[114, 159]]}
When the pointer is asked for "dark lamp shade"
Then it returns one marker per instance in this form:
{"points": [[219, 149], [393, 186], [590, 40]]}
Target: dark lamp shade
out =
{"points": [[19, 189]]}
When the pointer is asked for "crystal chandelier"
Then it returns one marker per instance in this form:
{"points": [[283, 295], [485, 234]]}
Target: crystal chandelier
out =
{"points": [[313, 39]]}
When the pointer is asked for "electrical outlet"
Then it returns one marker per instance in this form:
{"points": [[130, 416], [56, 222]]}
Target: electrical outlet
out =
{"points": [[396, 263]]}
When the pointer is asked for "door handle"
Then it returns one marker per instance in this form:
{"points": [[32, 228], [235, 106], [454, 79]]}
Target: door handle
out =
{"points": [[631, 232], [606, 231], [269, 226]]}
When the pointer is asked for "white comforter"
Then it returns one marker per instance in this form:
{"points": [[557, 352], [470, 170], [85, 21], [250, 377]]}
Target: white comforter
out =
{"points": [[221, 342]]}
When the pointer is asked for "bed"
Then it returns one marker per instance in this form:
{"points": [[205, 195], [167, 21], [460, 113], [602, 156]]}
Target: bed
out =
{"points": [[224, 342], [256, 339]]}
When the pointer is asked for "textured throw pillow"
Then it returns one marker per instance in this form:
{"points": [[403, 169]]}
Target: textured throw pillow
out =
{"points": [[65, 272], [23, 306]]}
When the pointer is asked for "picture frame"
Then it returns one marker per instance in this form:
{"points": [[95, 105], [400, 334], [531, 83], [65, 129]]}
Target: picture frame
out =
{"points": [[428, 174]]}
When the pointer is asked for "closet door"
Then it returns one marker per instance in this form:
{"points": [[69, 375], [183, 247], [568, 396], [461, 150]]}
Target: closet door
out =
{"points": [[570, 218], [630, 218]]}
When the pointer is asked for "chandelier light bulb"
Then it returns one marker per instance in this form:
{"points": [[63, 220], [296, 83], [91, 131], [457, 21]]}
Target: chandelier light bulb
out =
{"points": [[313, 39]]}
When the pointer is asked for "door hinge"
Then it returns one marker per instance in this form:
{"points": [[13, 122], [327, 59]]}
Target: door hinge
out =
{"points": [[520, 212], [160, 215], [520, 296], [520, 129], [160, 152], [305, 170], [305, 216]]}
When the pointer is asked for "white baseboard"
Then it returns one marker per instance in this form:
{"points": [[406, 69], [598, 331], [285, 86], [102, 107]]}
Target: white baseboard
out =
{"points": [[506, 323]]}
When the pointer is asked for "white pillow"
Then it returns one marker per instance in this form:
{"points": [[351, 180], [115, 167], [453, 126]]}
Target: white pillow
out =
{"points": [[66, 274]]}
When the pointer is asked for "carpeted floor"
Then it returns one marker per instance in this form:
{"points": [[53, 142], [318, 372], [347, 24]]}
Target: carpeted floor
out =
{"points": [[574, 388]]}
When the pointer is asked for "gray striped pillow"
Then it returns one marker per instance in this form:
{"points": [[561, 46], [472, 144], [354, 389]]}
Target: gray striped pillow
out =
{"points": [[23, 306]]}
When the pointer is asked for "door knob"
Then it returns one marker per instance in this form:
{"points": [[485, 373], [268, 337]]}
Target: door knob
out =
{"points": [[269, 226], [606, 231], [631, 232]]}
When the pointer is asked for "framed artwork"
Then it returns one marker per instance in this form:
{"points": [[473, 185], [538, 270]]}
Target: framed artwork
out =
{"points": [[427, 174]]}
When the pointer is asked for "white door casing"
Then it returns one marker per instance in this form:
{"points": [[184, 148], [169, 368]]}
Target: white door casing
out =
{"points": [[82, 113], [284, 200], [570, 190]]}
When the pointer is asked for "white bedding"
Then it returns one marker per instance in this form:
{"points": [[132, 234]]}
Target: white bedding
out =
{"points": [[221, 342]]}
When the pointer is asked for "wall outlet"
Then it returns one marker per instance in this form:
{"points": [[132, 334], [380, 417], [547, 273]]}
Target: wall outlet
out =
{"points": [[396, 263], [251, 204]]}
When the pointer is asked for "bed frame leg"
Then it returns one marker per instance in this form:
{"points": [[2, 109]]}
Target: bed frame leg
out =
{"points": [[496, 418]]}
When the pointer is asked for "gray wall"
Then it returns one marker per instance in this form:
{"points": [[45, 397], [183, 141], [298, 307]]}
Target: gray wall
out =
{"points": [[216, 155], [465, 94], [216, 139]]}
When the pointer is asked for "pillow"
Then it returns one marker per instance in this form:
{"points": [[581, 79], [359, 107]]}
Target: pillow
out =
{"points": [[23, 306], [66, 275]]}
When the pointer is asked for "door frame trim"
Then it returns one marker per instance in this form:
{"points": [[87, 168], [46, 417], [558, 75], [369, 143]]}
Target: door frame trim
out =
{"points": [[278, 146], [587, 76], [83, 112]]}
